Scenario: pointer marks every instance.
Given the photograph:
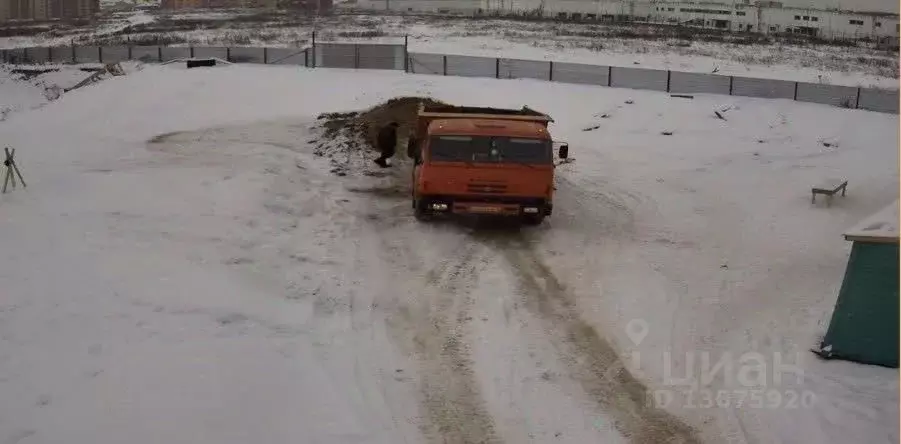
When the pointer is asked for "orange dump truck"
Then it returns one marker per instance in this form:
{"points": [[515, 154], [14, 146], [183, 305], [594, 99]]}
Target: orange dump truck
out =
{"points": [[483, 161]]}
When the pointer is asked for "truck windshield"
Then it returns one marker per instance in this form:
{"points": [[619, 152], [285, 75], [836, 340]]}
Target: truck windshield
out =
{"points": [[486, 149]]}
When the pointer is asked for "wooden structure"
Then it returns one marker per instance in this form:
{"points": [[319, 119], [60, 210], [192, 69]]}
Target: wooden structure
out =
{"points": [[12, 170], [864, 325], [829, 187]]}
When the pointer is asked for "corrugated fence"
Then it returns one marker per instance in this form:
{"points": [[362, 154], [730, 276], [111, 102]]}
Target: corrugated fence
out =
{"points": [[656, 80], [396, 57]]}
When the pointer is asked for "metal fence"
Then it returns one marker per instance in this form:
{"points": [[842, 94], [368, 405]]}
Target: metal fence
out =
{"points": [[396, 57], [676, 82]]}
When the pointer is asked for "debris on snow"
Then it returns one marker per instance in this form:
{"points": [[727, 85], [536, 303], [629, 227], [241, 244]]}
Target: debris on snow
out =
{"points": [[345, 135]]}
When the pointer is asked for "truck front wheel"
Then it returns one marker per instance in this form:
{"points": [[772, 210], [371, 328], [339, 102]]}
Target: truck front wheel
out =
{"points": [[420, 211], [533, 219]]}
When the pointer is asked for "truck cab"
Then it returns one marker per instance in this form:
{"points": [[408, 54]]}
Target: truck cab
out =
{"points": [[483, 161]]}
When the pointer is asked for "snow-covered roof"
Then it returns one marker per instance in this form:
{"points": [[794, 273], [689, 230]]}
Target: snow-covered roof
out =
{"points": [[880, 227]]}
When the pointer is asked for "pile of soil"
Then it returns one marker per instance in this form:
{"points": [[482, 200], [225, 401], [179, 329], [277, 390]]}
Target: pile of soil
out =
{"points": [[345, 136], [366, 124], [349, 139]]}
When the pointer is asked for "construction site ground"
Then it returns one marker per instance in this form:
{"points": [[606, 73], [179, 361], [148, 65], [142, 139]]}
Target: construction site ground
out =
{"points": [[205, 255]]}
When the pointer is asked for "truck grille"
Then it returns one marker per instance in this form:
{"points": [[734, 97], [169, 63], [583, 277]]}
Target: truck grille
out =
{"points": [[486, 188]]}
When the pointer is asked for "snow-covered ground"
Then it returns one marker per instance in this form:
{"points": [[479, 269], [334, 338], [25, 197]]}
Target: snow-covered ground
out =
{"points": [[182, 267], [580, 43], [22, 91], [123, 20], [18, 93]]}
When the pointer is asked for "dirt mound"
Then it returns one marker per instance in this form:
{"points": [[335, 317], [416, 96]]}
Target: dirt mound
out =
{"points": [[366, 124], [350, 137], [402, 110]]}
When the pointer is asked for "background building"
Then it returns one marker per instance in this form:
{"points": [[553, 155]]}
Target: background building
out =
{"points": [[310, 5], [765, 17], [47, 9]]}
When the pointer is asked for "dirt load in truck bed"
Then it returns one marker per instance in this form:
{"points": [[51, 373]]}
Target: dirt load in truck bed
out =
{"points": [[448, 109]]}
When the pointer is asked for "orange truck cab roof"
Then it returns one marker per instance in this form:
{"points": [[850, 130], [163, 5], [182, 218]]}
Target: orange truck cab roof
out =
{"points": [[489, 127]]}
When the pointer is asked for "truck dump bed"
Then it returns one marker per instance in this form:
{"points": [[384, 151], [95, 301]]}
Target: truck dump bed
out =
{"points": [[450, 109], [428, 113]]}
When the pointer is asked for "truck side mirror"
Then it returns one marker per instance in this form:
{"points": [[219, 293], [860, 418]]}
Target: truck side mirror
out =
{"points": [[564, 151]]}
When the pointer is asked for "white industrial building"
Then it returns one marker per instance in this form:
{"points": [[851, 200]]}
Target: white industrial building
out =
{"points": [[772, 17], [767, 17]]}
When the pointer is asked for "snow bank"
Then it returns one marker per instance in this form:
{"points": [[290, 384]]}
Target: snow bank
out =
{"points": [[24, 91], [220, 281], [18, 93]]}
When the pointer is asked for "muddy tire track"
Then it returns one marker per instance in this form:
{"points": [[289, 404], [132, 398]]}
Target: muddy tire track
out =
{"points": [[592, 360], [436, 323]]}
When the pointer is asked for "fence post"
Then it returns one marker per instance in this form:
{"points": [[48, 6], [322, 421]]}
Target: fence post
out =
{"points": [[857, 100], [669, 76], [609, 76], [314, 49], [497, 68], [100, 54], [356, 56], [306, 58], [228, 54], [129, 52], [796, 92], [445, 65], [406, 53], [191, 48], [25, 55], [159, 53], [266, 56], [731, 81], [49, 55], [74, 59], [550, 71]]}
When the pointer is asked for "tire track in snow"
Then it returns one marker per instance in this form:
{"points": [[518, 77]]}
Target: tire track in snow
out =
{"points": [[439, 320], [594, 363]]}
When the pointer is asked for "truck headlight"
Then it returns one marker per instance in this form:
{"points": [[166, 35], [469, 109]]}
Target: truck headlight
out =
{"points": [[530, 210], [439, 206]]}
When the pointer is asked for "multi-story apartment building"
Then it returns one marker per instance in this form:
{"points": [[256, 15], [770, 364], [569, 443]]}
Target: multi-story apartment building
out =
{"points": [[249, 4], [47, 9]]}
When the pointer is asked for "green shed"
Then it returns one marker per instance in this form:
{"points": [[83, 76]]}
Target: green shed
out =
{"points": [[864, 325]]}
